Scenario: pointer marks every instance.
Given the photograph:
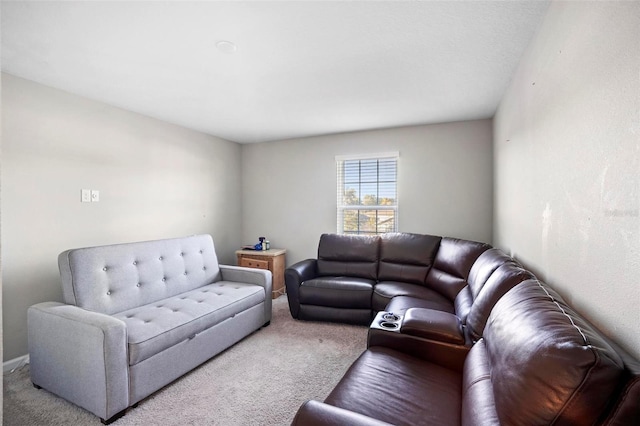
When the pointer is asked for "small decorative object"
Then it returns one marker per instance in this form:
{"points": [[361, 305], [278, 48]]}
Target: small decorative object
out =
{"points": [[263, 245]]}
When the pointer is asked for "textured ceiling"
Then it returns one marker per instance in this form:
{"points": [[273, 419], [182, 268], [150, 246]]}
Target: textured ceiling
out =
{"points": [[300, 69]]}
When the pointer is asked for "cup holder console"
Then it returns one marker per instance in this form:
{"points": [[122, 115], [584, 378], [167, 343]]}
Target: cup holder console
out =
{"points": [[388, 324], [390, 316], [387, 321]]}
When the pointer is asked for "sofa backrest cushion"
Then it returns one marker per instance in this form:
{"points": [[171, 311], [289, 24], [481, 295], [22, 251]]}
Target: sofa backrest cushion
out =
{"points": [[114, 278], [406, 257], [480, 272], [452, 265], [348, 255], [548, 365], [484, 266], [500, 282]]}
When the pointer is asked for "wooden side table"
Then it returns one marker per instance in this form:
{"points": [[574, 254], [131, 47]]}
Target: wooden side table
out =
{"points": [[272, 259]]}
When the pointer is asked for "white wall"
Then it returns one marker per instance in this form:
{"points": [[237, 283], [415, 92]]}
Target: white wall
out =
{"points": [[1, 325], [444, 183], [156, 180], [567, 162]]}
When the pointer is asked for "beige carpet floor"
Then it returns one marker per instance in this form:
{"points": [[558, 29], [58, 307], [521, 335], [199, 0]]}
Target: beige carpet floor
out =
{"points": [[262, 380]]}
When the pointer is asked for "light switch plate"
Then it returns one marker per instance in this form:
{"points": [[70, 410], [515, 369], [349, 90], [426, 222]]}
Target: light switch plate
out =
{"points": [[85, 195], [95, 195]]}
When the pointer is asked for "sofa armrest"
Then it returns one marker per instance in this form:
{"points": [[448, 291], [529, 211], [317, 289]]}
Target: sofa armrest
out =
{"points": [[294, 276], [433, 325], [315, 413], [79, 355], [261, 277], [240, 274], [303, 270]]}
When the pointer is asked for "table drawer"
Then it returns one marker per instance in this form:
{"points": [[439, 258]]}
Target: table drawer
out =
{"points": [[254, 263]]}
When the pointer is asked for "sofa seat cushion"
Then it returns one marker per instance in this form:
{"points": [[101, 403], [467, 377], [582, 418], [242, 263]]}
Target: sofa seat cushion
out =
{"points": [[157, 326], [397, 388], [337, 292], [385, 291]]}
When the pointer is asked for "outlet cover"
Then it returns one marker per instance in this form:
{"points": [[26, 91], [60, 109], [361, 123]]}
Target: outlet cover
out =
{"points": [[95, 195], [85, 195]]}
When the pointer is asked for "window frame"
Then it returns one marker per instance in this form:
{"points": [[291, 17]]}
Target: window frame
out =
{"points": [[341, 208]]}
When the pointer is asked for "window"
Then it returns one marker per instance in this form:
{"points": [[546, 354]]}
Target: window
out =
{"points": [[367, 194]]}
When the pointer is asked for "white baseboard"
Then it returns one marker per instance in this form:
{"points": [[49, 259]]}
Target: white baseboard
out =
{"points": [[15, 363]]}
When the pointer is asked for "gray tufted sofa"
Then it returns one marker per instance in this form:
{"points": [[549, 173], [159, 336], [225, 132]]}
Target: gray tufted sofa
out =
{"points": [[138, 316]]}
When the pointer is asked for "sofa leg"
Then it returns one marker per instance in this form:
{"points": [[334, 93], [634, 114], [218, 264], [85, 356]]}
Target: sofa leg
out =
{"points": [[113, 418], [36, 386], [266, 324]]}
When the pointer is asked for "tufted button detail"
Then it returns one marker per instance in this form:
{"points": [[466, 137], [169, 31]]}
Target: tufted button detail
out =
{"points": [[104, 269], [185, 272], [135, 263], [175, 310], [160, 258], [204, 268], [181, 254], [138, 285], [200, 251], [163, 279], [108, 293]]}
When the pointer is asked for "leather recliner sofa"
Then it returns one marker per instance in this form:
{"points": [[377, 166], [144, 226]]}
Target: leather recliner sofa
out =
{"points": [[538, 362], [505, 350], [448, 283], [354, 277]]}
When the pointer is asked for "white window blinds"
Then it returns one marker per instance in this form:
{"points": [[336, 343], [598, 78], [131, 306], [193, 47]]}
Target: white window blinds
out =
{"points": [[367, 194]]}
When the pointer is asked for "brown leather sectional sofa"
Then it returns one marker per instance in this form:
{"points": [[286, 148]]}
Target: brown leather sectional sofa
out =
{"points": [[460, 333]]}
